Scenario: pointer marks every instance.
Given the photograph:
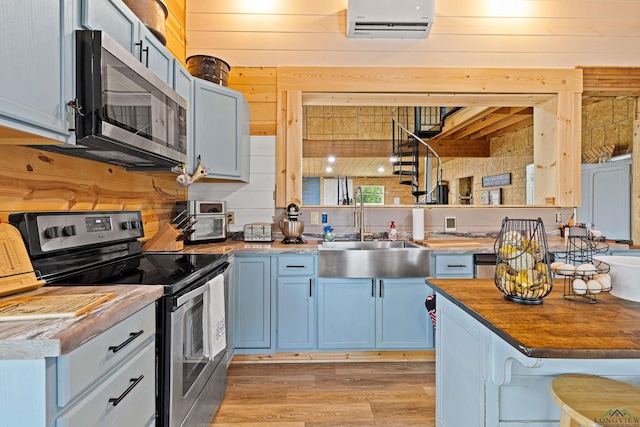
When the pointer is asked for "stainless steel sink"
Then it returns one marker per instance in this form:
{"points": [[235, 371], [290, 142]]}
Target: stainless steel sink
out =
{"points": [[368, 245], [369, 259]]}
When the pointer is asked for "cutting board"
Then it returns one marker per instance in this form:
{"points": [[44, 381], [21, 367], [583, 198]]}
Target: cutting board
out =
{"points": [[16, 271], [36, 307]]}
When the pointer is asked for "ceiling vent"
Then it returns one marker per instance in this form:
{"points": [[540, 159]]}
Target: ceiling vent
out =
{"points": [[390, 19]]}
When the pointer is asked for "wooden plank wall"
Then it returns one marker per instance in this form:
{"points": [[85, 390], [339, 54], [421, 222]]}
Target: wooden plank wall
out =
{"points": [[36, 180], [176, 29], [466, 33]]}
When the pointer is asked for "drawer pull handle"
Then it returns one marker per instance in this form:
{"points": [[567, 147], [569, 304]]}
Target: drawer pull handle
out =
{"points": [[132, 336], [115, 401], [456, 265], [295, 266]]}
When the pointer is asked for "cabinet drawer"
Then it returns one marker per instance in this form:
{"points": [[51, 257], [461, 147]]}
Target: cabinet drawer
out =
{"points": [[135, 407], [289, 265], [454, 265], [84, 365]]}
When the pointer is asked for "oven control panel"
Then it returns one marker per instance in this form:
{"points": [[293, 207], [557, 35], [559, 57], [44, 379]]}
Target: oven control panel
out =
{"points": [[68, 230]]}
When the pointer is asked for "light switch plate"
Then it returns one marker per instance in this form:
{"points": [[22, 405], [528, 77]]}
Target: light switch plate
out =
{"points": [[450, 223], [314, 218]]}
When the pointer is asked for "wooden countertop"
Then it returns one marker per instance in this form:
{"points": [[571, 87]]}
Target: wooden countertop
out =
{"points": [[36, 339], [557, 328]]}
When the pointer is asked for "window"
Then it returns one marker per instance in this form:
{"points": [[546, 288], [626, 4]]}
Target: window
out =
{"points": [[371, 194]]}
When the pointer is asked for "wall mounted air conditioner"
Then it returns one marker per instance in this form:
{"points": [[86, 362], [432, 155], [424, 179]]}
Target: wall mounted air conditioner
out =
{"points": [[391, 19]]}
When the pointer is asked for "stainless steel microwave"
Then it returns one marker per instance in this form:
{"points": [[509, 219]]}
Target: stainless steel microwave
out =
{"points": [[125, 114]]}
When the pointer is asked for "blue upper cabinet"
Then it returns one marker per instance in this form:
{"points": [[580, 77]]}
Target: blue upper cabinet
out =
{"points": [[183, 84], [36, 76], [121, 24], [221, 131]]}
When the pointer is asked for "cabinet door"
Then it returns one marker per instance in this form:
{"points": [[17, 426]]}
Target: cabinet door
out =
{"points": [[220, 135], [606, 199], [114, 18], [296, 313], [154, 55], [253, 302], [346, 313], [183, 84], [36, 75], [402, 320]]}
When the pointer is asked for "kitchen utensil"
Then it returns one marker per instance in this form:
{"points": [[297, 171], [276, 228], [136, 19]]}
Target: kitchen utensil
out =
{"points": [[153, 14], [292, 231], [293, 212], [178, 217], [209, 68], [16, 272]]}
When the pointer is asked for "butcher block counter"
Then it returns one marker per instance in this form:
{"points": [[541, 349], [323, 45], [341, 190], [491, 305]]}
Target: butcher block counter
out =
{"points": [[499, 357], [36, 339], [609, 329]]}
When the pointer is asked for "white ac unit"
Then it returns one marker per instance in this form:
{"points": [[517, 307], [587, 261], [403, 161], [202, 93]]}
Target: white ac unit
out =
{"points": [[391, 19]]}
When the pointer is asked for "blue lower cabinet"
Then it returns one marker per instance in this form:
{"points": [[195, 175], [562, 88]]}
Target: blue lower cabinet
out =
{"points": [[346, 313], [402, 320], [296, 327], [252, 317], [373, 314]]}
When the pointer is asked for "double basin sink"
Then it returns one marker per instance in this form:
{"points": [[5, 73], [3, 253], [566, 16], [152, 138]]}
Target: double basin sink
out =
{"points": [[369, 259]]}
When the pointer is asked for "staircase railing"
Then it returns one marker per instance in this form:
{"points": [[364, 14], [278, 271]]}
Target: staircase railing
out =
{"points": [[412, 136]]}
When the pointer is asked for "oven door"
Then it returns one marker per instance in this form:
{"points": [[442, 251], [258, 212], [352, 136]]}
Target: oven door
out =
{"points": [[190, 369]]}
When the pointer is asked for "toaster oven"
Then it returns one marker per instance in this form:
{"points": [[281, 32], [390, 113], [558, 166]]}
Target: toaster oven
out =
{"points": [[209, 218]]}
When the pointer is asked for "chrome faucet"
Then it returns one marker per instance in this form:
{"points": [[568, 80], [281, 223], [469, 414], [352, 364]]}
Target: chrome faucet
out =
{"points": [[358, 218]]}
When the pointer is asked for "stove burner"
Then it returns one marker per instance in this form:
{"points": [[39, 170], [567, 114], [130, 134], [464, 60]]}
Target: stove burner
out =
{"points": [[293, 240]]}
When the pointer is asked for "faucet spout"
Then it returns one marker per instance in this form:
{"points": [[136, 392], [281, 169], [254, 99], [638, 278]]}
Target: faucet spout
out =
{"points": [[358, 217]]}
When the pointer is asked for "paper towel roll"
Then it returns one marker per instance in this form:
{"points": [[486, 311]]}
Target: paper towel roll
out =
{"points": [[418, 224]]}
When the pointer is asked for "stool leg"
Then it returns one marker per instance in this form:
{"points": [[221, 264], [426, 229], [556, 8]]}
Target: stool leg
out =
{"points": [[567, 421]]}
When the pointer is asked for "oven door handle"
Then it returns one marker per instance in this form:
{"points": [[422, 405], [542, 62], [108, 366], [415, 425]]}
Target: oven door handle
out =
{"points": [[202, 288], [191, 295]]}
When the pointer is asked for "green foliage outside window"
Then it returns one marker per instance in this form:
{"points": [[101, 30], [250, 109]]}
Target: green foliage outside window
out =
{"points": [[371, 194]]}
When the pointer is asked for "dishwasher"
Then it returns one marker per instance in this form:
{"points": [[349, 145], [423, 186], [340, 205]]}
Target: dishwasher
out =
{"points": [[484, 266]]}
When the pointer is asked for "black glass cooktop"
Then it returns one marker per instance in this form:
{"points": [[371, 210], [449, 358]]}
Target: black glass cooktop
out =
{"points": [[169, 269]]}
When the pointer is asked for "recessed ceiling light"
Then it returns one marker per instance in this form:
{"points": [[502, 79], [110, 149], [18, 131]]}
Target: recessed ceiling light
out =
{"points": [[393, 159], [329, 169], [331, 159], [381, 169]]}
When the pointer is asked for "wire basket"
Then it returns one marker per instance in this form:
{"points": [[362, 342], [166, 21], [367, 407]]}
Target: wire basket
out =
{"points": [[522, 271], [584, 277]]}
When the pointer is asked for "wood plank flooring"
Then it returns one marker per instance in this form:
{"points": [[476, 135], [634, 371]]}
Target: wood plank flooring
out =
{"points": [[329, 395]]}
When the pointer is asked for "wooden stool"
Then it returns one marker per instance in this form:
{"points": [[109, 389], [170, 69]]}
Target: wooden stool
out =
{"points": [[592, 401]]}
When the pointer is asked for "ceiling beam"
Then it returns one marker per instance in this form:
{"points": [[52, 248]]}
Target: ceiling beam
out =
{"points": [[424, 99]]}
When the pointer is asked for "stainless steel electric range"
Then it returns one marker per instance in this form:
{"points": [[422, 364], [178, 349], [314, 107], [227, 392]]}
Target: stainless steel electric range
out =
{"points": [[102, 248]]}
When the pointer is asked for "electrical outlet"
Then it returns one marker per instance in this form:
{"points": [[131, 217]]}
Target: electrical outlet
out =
{"points": [[314, 218], [558, 216], [230, 218]]}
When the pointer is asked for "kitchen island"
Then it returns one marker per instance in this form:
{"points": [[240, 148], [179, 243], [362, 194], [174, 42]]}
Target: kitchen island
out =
{"points": [[495, 359]]}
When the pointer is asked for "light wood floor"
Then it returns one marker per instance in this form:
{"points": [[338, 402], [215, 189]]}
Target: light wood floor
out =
{"points": [[329, 395]]}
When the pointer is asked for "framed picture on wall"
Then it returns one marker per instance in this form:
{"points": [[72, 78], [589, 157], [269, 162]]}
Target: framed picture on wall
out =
{"points": [[495, 196]]}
